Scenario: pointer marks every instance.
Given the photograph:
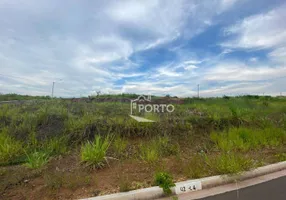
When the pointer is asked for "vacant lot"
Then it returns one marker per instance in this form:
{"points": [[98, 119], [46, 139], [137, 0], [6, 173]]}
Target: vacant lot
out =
{"points": [[66, 149]]}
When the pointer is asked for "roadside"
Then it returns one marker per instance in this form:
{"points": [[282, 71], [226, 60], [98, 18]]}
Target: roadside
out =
{"points": [[270, 186]]}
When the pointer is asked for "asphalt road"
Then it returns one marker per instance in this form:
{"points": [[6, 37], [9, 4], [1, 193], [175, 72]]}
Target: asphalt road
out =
{"points": [[271, 190]]}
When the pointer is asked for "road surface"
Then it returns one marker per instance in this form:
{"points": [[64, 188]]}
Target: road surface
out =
{"points": [[267, 187], [271, 190]]}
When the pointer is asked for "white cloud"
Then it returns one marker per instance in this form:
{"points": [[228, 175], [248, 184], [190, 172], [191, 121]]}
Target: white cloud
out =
{"points": [[236, 71], [88, 44], [259, 31], [278, 54]]}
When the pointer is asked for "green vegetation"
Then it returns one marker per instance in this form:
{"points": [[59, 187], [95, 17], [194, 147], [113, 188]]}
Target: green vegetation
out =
{"points": [[164, 181], [10, 97], [36, 160], [202, 137], [229, 163], [10, 149], [94, 153], [120, 145], [245, 139]]}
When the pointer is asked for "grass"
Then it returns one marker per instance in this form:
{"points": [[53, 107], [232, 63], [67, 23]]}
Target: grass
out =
{"points": [[149, 153], [10, 149], [94, 153], [229, 163], [36, 160], [202, 137], [120, 145], [195, 167], [157, 148], [56, 146], [245, 139]]}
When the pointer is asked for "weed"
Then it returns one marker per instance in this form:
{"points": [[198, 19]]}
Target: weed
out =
{"points": [[195, 167], [165, 146], [74, 180], [164, 181], [245, 139], [94, 153], [149, 153], [56, 146], [159, 147], [228, 163], [36, 160], [120, 145], [10, 149], [54, 180], [124, 184], [281, 156]]}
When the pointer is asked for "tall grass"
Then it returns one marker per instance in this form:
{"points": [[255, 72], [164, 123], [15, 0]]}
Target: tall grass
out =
{"points": [[10, 149], [245, 139], [228, 163]]}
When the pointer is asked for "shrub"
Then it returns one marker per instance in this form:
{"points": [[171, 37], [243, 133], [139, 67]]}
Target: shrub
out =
{"points": [[36, 160], [10, 149], [94, 153], [164, 181]]}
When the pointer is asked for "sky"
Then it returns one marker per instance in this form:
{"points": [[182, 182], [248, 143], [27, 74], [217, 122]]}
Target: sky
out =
{"points": [[159, 47]]}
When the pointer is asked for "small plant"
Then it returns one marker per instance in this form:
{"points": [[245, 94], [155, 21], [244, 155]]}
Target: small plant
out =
{"points": [[124, 184], [149, 153], [36, 160], [94, 153], [56, 146], [164, 181], [120, 145]]}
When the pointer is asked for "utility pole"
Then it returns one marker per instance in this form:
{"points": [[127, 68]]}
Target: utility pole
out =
{"points": [[198, 90], [53, 89]]}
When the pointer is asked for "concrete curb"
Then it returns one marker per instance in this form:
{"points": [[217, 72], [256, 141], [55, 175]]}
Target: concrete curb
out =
{"points": [[208, 182]]}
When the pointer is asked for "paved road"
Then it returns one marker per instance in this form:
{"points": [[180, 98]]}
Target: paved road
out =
{"points": [[271, 190]]}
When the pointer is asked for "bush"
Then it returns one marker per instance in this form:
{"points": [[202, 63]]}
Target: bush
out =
{"points": [[94, 153], [164, 181]]}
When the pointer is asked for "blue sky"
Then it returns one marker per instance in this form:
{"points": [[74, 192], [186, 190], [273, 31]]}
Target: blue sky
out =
{"points": [[229, 47]]}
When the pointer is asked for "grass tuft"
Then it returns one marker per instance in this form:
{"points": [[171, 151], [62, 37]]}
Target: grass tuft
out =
{"points": [[36, 160], [94, 153]]}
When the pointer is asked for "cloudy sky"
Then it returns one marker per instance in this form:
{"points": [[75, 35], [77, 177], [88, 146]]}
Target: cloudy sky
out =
{"points": [[229, 47]]}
